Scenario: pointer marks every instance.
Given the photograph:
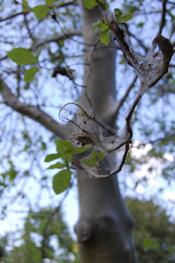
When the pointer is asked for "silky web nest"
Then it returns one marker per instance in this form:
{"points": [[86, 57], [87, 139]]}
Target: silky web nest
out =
{"points": [[106, 149]]}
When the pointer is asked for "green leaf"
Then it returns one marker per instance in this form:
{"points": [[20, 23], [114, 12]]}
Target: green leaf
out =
{"points": [[100, 156], [78, 150], [26, 7], [22, 56], [67, 157], [50, 2], [92, 161], [105, 37], [66, 150], [125, 17], [150, 243], [61, 181], [141, 24], [51, 157], [41, 11], [118, 12], [11, 173], [56, 166], [101, 25], [104, 4], [89, 4], [1, 86], [29, 74], [63, 146]]}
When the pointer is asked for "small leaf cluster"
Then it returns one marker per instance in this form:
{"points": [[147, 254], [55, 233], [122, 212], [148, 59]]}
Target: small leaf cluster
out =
{"points": [[122, 17], [94, 158], [105, 28], [23, 56], [40, 11], [67, 153], [105, 31]]}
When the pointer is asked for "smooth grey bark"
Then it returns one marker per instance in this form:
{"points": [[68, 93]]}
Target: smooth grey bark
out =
{"points": [[104, 229]]}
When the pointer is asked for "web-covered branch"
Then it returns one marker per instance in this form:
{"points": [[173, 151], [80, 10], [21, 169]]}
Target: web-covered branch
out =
{"points": [[90, 130]]}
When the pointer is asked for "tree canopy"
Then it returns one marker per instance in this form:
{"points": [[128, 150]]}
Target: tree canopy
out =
{"points": [[154, 236]]}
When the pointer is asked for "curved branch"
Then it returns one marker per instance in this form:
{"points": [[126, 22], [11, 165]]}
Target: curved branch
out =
{"points": [[57, 38], [32, 112]]}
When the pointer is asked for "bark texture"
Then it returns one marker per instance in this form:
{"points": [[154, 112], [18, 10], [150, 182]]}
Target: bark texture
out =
{"points": [[104, 229]]}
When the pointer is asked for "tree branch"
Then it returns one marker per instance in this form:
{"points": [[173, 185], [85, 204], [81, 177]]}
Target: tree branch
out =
{"points": [[12, 16], [162, 23], [126, 95], [74, 2], [32, 112], [57, 38]]}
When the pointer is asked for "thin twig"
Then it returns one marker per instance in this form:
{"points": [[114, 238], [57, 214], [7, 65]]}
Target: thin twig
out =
{"points": [[123, 99], [162, 23], [12, 16], [57, 38], [122, 161], [27, 27]]}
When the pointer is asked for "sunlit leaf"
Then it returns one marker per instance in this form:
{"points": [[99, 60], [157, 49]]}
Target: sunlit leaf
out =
{"points": [[125, 17], [63, 146], [92, 161], [61, 181], [41, 11], [22, 56], [29, 74], [105, 37], [50, 2], [51, 157], [56, 166], [101, 25], [26, 7], [79, 150], [89, 4]]}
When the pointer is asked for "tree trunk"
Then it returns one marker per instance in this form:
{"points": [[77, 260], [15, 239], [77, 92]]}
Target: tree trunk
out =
{"points": [[104, 229]]}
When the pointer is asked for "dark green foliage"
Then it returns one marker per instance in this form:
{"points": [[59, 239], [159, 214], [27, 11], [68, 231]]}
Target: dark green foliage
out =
{"points": [[154, 232], [45, 236]]}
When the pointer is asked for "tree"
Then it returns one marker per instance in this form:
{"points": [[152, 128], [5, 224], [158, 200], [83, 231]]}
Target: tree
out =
{"points": [[154, 231], [92, 126], [154, 236], [43, 238]]}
